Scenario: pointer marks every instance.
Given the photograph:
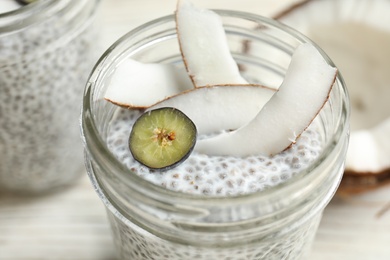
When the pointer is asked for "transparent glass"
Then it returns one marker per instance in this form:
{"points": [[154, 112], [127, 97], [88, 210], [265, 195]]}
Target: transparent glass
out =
{"points": [[150, 222], [47, 50]]}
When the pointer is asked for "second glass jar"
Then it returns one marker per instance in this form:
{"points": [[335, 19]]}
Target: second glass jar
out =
{"points": [[47, 50]]}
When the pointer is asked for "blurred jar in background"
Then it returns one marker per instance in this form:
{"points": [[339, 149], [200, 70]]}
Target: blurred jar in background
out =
{"points": [[46, 53]]}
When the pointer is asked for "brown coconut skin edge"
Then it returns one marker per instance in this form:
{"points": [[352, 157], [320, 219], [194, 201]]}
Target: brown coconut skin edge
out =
{"points": [[357, 182]]}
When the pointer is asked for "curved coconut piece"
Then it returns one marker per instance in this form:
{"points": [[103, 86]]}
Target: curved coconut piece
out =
{"points": [[140, 85], [219, 108], [368, 168], [204, 47], [370, 149], [304, 91], [356, 35]]}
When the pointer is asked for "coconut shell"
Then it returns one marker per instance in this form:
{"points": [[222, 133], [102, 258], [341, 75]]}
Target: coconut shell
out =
{"points": [[370, 14]]}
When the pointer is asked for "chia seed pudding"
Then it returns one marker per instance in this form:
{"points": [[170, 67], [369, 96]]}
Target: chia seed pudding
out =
{"points": [[135, 243], [46, 54], [216, 175], [213, 207]]}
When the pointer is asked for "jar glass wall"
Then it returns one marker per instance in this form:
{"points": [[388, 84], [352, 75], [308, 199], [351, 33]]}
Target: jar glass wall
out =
{"points": [[151, 222], [47, 50]]}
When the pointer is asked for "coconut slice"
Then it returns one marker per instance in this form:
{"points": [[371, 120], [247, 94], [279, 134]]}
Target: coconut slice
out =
{"points": [[368, 160], [356, 35], [370, 149], [139, 85], [218, 108], [204, 47], [288, 113]]}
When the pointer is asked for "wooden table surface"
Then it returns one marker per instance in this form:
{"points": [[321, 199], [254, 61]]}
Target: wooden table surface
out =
{"points": [[71, 223]]}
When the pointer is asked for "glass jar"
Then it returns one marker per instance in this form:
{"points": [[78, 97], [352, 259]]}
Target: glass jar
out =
{"points": [[47, 50], [150, 222]]}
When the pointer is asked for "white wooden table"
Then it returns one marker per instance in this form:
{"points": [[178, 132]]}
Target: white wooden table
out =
{"points": [[71, 224]]}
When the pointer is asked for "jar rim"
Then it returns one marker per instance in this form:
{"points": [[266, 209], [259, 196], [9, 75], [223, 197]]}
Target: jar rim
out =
{"points": [[33, 13], [25, 15], [67, 18], [96, 147]]}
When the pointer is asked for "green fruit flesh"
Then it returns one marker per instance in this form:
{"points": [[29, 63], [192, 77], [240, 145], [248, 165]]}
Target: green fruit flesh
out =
{"points": [[162, 138], [25, 2]]}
